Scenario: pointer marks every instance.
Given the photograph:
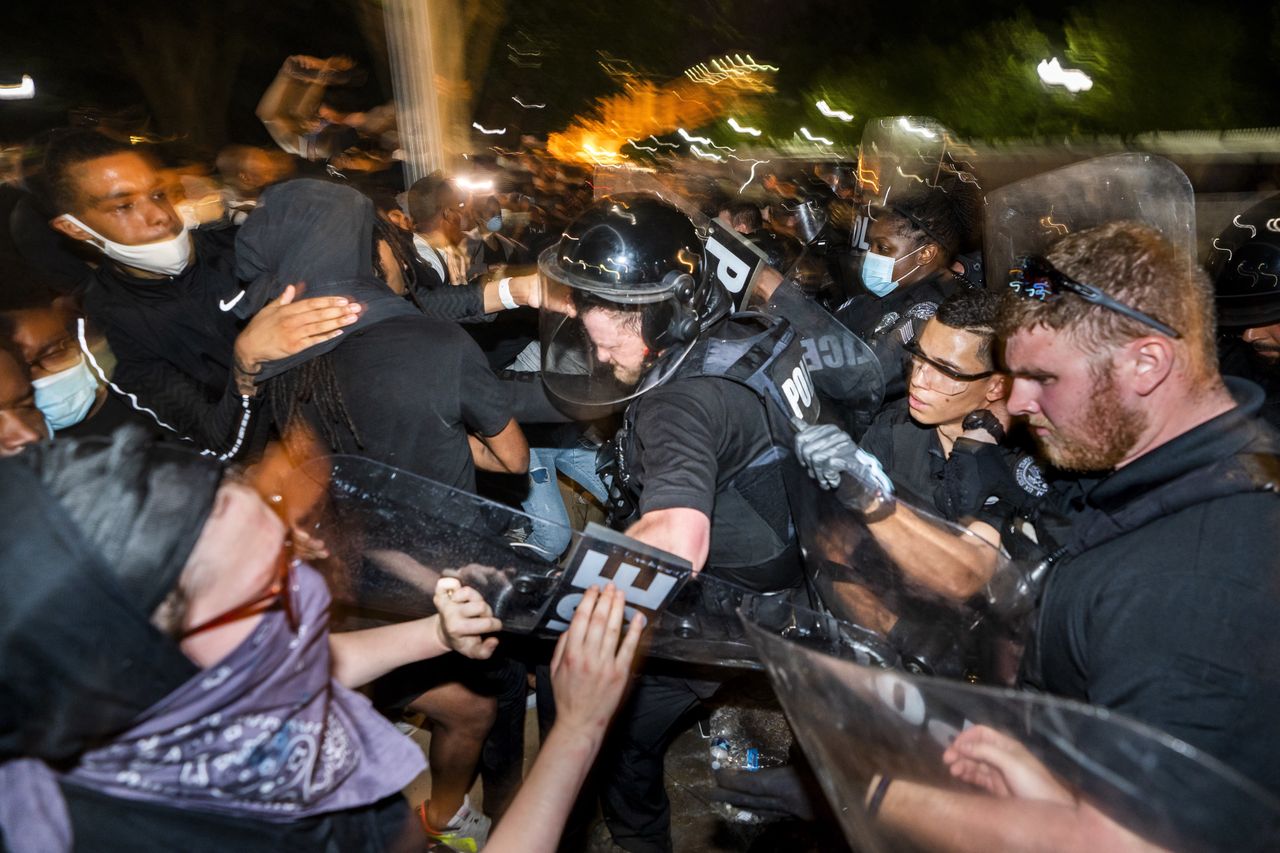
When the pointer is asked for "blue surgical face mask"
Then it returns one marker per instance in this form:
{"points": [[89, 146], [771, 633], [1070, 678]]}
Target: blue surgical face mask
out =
{"points": [[877, 272], [66, 397], [493, 224]]}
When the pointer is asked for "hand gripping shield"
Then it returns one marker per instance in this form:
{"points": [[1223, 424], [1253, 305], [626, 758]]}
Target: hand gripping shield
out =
{"points": [[855, 721]]}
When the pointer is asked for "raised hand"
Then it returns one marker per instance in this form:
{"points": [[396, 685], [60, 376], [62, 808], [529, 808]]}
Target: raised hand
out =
{"points": [[591, 667]]}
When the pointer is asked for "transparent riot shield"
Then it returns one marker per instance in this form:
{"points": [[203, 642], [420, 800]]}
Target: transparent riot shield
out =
{"points": [[904, 154], [1115, 782], [392, 535], [1026, 217], [949, 601]]}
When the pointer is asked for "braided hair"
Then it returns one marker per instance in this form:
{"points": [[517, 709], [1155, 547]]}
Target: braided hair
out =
{"points": [[316, 383]]}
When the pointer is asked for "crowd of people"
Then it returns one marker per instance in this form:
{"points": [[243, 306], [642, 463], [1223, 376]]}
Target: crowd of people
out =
{"points": [[171, 329]]}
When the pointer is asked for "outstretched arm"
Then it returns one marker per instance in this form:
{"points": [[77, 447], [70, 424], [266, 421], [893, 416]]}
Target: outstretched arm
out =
{"points": [[461, 624], [589, 673]]}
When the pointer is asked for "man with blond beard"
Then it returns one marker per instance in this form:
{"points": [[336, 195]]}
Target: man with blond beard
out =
{"points": [[1162, 606]]}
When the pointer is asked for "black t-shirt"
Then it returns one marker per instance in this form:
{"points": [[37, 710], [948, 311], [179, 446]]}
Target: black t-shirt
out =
{"points": [[1174, 623], [695, 442], [978, 481], [886, 324], [414, 388]]}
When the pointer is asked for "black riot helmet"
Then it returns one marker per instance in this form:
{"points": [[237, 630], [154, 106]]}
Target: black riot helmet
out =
{"points": [[1245, 265], [625, 291]]}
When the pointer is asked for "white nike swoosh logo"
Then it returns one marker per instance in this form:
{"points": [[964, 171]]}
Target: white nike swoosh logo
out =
{"points": [[227, 306]]}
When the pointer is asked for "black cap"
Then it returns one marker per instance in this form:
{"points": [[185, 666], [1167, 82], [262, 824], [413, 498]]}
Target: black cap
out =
{"points": [[1245, 265], [139, 503]]}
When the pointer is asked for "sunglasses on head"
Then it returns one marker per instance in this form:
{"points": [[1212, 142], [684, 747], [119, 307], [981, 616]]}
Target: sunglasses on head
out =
{"points": [[1036, 278]]}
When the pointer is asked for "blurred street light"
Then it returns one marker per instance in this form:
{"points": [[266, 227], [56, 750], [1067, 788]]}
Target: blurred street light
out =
{"points": [[24, 91], [742, 128], [830, 112], [1053, 74]]}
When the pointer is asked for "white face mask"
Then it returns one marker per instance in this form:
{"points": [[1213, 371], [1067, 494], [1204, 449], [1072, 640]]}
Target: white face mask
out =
{"points": [[65, 397], [165, 257]]}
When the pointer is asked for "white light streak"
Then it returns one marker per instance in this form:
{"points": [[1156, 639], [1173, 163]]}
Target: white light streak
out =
{"points": [[1053, 74], [486, 130], [24, 91], [831, 112], [528, 106], [754, 163], [687, 138], [1253, 231], [639, 147], [705, 155], [741, 128], [809, 136], [658, 141], [918, 131]]}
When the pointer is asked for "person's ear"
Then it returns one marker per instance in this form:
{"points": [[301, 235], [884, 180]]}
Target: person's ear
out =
{"points": [[65, 226], [1149, 361], [929, 253], [997, 388], [400, 219]]}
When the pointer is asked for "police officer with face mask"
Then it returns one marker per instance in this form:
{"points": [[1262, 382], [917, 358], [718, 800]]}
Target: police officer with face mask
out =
{"points": [[906, 272], [697, 471]]}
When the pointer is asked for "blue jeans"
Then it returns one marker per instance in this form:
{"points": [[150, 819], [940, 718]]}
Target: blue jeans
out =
{"points": [[544, 504]]}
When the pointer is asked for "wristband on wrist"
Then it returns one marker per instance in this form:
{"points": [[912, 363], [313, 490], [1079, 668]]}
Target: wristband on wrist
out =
{"points": [[504, 294], [876, 798]]}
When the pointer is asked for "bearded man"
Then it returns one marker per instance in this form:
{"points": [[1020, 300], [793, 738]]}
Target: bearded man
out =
{"points": [[1163, 606]]}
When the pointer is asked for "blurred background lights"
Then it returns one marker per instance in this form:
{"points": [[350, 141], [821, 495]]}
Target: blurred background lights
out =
{"points": [[1053, 74]]}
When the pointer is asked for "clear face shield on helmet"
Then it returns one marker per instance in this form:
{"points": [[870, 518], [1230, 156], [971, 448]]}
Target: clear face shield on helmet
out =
{"points": [[605, 342]]}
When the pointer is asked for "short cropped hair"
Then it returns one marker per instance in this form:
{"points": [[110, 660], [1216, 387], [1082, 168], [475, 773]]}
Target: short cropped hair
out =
{"points": [[973, 311], [66, 151], [427, 198], [1135, 264], [746, 214], [944, 218]]}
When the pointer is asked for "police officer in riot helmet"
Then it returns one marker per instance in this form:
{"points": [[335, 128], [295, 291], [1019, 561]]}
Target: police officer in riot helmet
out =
{"points": [[697, 472], [913, 241], [1245, 266]]}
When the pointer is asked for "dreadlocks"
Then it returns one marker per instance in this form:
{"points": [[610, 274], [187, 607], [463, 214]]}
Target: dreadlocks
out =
{"points": [[401, 249], [314, 382]]}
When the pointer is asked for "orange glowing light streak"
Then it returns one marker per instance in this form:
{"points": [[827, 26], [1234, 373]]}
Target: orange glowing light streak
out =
{"points": [[646, 109]]}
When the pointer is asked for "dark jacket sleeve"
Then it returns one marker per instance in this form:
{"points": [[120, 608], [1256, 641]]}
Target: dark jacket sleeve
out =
{"points": [[464, 303], [183, 406]]}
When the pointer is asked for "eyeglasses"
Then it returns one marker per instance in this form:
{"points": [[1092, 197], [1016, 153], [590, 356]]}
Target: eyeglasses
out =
{"points": [[1036, 278], [279, 594], [950, 381], [58, 356]]}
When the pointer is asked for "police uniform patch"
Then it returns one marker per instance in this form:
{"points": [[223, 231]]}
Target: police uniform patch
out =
{"points": [[922, 310], [1030, 477], [886, 323]]}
